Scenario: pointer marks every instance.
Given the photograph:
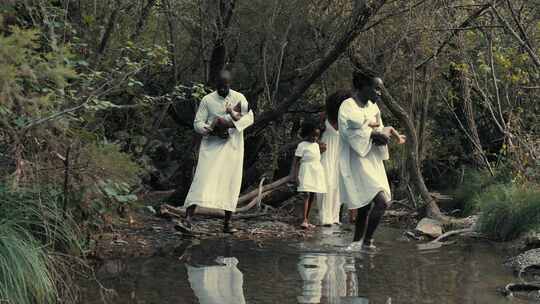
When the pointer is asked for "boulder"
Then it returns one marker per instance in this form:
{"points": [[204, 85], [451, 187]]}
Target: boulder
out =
{"points": [[524, 260], [430, 227], [531, 240]]}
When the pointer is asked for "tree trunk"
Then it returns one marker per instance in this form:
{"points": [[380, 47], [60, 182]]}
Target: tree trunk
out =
{"points": [[219, 51], [172, 37], [147, 9]]}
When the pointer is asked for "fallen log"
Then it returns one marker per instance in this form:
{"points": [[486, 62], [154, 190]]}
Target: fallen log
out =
{"points": [[252, 194], [179, 212], [247, 197]]}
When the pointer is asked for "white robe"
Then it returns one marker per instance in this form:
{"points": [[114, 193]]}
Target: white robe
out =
{"points": [[311, 173], [335, 281], [218, 176], [217, 284], [329, 202], [361, 169], [312, 269]]}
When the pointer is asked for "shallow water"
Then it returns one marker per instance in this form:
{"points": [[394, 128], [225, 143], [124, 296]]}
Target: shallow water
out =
{"points": [[313, 271]]}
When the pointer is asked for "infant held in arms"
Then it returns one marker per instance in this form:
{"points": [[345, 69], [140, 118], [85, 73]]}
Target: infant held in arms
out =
{"points": [[388, 131]]}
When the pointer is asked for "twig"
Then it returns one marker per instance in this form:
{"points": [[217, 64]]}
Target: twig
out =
{"points": [[450, 233]]}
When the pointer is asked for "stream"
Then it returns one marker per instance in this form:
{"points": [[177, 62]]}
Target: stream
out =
{"points": [[317, 270]]}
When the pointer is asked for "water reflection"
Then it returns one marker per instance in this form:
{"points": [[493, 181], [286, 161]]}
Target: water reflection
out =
{"points": [[219, 284], [329, 277]]}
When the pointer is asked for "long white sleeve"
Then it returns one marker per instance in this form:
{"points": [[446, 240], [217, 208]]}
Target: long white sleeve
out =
{"points": [[247, 116], [356, 131], [200, 123]]}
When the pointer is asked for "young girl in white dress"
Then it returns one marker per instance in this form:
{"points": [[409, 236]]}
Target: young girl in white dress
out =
{"points": [[308, 170]]}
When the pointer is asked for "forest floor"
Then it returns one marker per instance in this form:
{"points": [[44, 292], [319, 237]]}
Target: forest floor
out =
{"points": [[144, 234]]}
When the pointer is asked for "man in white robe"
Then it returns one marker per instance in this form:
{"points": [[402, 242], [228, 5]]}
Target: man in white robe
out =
{"points": [[363, 184], [221, 118]]}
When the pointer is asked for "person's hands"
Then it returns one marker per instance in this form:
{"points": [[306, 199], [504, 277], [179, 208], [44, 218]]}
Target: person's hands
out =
{"points": [[322, 147], [220, 128], [379, 138]]}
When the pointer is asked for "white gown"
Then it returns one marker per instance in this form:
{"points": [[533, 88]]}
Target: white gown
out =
{"points": [[218, 176], [312, 269], [217, 284], [329, 202], [335, 280], [311, 173], [361, 169]]}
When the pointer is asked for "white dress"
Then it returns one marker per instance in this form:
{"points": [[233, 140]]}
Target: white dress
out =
{"points": [[311, 174], [361, 169], [335, 280], [218, 176], [218, 284], [329, 202], [312, 269]]}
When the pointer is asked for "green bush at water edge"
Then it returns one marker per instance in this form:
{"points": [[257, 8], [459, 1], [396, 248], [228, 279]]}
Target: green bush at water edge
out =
{"points": [[38, 248]]}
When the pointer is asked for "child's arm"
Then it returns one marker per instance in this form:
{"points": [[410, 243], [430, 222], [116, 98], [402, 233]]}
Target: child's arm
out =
{"points": [[322, 146], [390, 131], [236, 112], [295, 169]]}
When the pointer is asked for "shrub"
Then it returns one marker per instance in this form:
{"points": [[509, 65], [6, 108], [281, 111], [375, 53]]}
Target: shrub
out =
{"points": [[508, 210], [34, 237], [475, 183]]}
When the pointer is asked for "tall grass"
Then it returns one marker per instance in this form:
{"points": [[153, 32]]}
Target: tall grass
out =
{"points": [[39, 246], [508, 210]]}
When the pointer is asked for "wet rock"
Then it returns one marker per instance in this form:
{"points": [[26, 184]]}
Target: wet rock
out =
{"points": [[525, 260], [430, 227], [526, 291], [530, 240]]}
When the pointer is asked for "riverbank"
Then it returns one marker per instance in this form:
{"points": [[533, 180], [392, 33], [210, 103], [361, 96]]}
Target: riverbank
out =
{"points": [[145, 234]]}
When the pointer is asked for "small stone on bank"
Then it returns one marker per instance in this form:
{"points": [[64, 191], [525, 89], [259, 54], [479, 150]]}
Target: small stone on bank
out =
{"points": [[430, 227]]}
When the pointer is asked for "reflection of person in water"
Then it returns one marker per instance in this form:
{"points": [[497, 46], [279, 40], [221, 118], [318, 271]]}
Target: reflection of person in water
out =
{"points": [[335, 281], [312, 269], [351, 278], [219, 284], [331, 277]]}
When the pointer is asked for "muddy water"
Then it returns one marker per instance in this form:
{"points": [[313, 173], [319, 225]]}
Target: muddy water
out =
{"points": [[313, 271]]}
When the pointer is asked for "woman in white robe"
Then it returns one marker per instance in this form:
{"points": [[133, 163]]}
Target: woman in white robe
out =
{"points": [[329, 203], [221, 284], [363, 183], [218, 176]]}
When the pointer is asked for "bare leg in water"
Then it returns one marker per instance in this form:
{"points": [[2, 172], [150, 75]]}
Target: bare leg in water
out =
{"points": [[368, 219]]}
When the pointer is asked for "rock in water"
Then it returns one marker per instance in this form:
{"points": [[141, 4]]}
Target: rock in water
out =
{"points": [[430, 227], [526, 259]]}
